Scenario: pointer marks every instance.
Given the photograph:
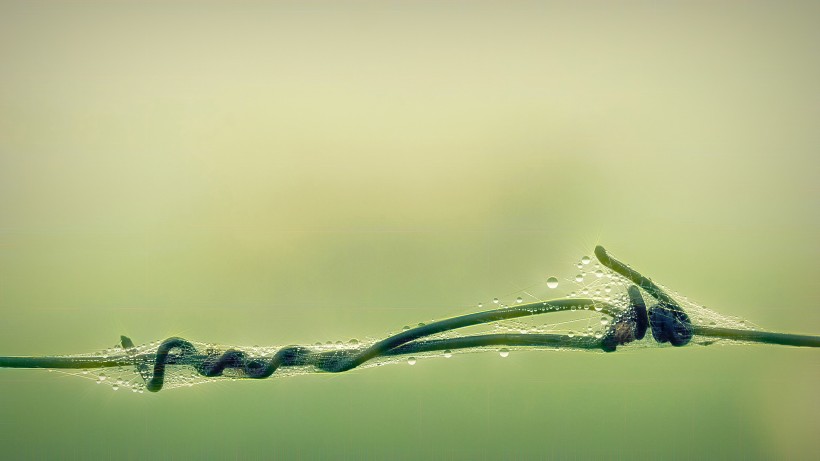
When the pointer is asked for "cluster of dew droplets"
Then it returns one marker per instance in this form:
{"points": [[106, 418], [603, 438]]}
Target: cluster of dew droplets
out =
{"points": [[352, 343], [114, 378], [591, 280], [601, 284]]}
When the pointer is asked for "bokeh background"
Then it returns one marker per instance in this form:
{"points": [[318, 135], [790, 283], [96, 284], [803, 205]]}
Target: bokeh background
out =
{"points": [[292, 172]]}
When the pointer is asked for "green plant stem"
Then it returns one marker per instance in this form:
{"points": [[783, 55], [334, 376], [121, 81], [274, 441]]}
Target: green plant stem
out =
{"points": [[635, 277], [77, 363], [177, 351], [754, 336]]}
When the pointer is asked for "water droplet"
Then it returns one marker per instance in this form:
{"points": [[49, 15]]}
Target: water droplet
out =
{"points": [[518, 299], [504, 352], [599, 273], [585, 260], [480, 305], [571, 334], [552, 282], [598, 334], [607, 288], [579, 265], [598, 308], [353, 341], [102, 377], [579, 278], [448, 353], [115, 387], [405, 328], [495, 300], [604, 321], [411, 361]]}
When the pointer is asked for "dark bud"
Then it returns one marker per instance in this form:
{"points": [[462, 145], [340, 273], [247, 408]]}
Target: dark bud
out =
{"points": [[638, 308], [670, 325]]}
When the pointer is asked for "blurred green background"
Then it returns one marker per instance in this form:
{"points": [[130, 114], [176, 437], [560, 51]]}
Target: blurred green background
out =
{"points": [[292, 172]]}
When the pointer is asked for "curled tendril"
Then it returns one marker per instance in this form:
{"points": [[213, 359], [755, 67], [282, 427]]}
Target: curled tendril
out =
{"points": [[181, 352]]}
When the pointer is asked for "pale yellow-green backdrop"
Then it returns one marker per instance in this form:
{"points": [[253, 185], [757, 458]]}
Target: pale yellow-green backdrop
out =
{"points": [[291, 172]]}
